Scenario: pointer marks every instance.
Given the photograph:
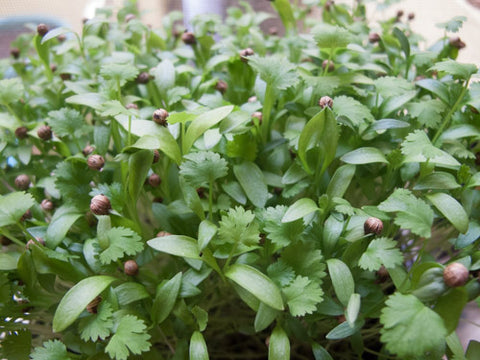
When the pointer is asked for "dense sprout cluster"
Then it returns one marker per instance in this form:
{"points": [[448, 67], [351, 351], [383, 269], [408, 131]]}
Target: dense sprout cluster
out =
{"points": [[229, 193]]}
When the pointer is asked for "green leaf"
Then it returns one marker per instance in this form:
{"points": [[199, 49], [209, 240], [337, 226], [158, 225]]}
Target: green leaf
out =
{"points": [[178, 245], [93, 100], [121, 242], [364, 155], [381, 251], [152, 137], [385, 124], [67, 122], [279, 346], [344, 330], [113, 108], [353, 309], [281, 273], [258, 284], [472, 235], [437, 181], [164, 75], [119, 72], [275, 70], [130, 336], [418, 148], [97, 326], [52, 34], [412, 213], [320, 353], [299, 209], [202, 168], [450, 307], [436, 87], [165, 298], [340, 181], [11, 90], [202, 123], [404, 43], [139, 164], [395, 103], [454, 24], [281, 234], [198, 348], [302, 296], [130, 292], [321, 130], [456, 69], [77, 298], [389, 86], [451, 209], [352, 109], [410, 329], [285, 11], [342, 280], [51, 350], [8, 262], [238, 227], [473, 350], [428, 112], [264, 317], [305, 260], [252, 181], [13, 206], [331, 37], [61, 222], [206, 231]]}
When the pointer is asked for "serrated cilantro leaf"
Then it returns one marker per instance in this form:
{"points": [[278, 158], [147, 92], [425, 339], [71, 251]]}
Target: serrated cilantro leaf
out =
{"points": [[119, 72], [302, 296], [67, 122], [458, 149], [11, 90], [97, 326], [275, 70], [122, 241], [72, 179], [427, 112], [202, 168], [352, 109], [417, 143], [114, 192], [130, 336], [389, 86], [281, 234], [280, 273], [238, 226], [456, 69], [381, 251], [305, 260], [51, 350], [13, 206], [412, 213], [410, 329], [454, 24], [330, 36]]}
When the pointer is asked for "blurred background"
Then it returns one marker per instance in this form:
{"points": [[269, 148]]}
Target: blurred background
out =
{"points": [[71, 13], [428, 13]]}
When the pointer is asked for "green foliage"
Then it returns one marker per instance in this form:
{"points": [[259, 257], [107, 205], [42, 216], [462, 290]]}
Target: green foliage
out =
{"points": [[121, 241], [238, 226], [411, 328], [412, 213], [243, 211], [381, 251], [302, 296], [130, 337], [203, 168], [51, 350]]}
